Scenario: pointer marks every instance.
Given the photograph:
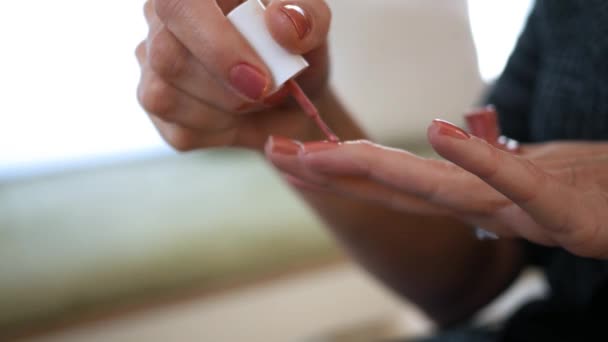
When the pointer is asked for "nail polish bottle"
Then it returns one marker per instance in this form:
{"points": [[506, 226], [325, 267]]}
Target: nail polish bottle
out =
{"points": [[248, 18]]}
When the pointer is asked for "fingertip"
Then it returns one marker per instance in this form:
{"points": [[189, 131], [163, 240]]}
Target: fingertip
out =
{"points": [[282, 146], [442, 134], [140, 53], [299, 26], [282, 28], [435, 138], [268, 146], [431, 133]]}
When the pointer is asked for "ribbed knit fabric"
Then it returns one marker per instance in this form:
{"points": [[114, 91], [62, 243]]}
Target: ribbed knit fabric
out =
{"points": [[555, 85]]}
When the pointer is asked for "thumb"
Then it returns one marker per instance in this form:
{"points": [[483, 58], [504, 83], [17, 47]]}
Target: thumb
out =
{"points": [[300, 26]]}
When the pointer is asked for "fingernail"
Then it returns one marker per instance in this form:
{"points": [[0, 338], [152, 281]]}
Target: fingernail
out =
{"points": [[483, 123], [449, 129], [284, 146], [249, 81], [319, 146], [298, 18]]}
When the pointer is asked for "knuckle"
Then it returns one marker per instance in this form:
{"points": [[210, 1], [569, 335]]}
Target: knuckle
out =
{"points": [[241, 107], [490, 207], [539, 177], [167, 9], [492, 167], [201, 120], [140, 51], [581, 235], [158, 98], [321, 17], [148, 9], [166, 57], [180, 139], [325, 12]]}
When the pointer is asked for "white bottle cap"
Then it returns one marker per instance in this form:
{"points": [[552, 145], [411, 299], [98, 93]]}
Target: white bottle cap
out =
{"points": [[248, 19]]}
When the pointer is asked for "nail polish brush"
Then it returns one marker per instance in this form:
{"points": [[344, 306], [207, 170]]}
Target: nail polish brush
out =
{"points": [[284, 66], [310, 109]]}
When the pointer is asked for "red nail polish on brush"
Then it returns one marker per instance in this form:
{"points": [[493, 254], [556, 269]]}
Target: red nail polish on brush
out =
{"points": [[309, 108], [248, 19]]}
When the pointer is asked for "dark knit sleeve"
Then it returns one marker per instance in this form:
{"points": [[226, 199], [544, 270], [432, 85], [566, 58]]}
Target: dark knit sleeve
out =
{"points": [[513, 92]]}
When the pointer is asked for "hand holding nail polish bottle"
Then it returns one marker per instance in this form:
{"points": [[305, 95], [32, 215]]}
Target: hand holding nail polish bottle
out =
{"points": [[284, 66]]}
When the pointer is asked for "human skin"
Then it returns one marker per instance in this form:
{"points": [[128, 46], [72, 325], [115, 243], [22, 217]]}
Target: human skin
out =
{"points": [[553, 194], [203, 87]]}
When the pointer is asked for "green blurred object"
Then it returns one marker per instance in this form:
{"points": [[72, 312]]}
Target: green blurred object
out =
{"points": [[74, 241]]}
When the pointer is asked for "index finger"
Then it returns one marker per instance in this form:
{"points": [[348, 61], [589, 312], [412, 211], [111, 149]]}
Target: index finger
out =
{"points": [[436, 181], [204, 29], [573, 217]]}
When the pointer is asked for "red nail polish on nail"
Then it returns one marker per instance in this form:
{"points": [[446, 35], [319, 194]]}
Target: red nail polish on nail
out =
{"points": [[483, 123], [298, 18], [249, 81], [448, 129], [309, 108], [318, 146], [281, 145]]}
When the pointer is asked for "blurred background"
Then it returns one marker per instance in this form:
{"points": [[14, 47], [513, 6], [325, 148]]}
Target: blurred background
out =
{"points": [[108, 235]]}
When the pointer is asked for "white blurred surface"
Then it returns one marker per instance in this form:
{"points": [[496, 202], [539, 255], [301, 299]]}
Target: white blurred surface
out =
{"points": [[496, 24], [400, 64], [67, 84]]}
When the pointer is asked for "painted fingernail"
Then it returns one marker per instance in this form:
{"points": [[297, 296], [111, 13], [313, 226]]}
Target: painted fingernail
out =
{"points": [[298, 18], [483, 123], [284, 146], [249, 81], [319, 146], [449, 129]]}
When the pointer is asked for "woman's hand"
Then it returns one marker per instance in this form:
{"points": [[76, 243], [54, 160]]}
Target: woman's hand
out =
{"points": [[552, 194], [201, 81]]}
